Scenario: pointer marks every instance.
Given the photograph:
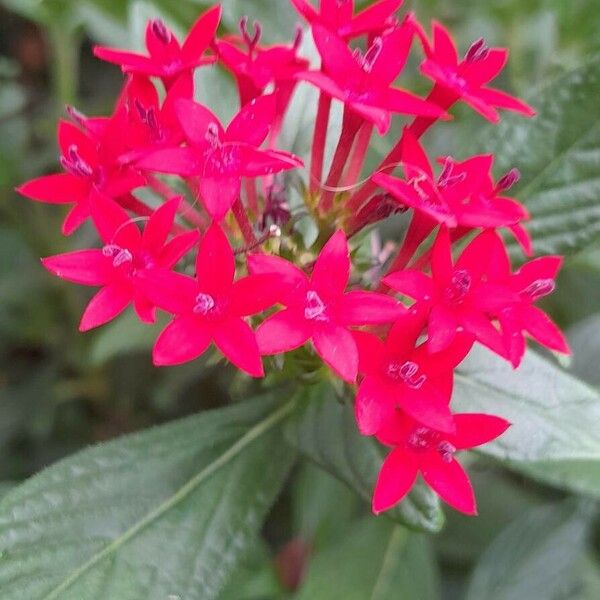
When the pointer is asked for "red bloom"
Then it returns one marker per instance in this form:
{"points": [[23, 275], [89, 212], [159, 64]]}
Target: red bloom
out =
{"points": [[167, 58], [400, 375], [91, 163], [255, 67], [210, 307], [338, 16], [531, 282], [152, 126], [319, 309], [467, 79], [118, 265], [463, 194], [459, 296], [363, 82], [221, 157], [419, 449]]}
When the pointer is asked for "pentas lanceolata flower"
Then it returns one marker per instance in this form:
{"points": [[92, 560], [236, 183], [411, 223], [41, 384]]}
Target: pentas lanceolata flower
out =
{"points": [[398, 326]]}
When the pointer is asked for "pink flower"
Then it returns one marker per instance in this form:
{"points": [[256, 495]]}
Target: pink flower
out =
{"points": [[319, 309], [467, 79], [530, 283], [221, 157], [363, 82], [210, 308], [460, 296], [152, 126], [167, 58], [127, 253], [418, 449], [464, 193], [91, 163], [398, 374], [338, 16]]}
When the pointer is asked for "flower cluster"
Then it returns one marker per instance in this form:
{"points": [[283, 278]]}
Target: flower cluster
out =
{"points": [[219, 193]]}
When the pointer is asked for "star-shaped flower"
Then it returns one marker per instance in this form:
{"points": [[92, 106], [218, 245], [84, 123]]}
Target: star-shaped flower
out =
{"points": [[166, 58], [126, 254], [319, 309], [210, 308], [221, 157], [91, 162], [460, 296], [467, 79], [338, 16], [363, 82], [418, 449], [398, 374]]}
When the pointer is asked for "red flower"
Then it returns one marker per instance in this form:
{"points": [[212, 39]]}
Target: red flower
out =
{"points": [[210, 307], [463, 194], [419, 449], [167, 58], [363, 82], [531, 282], [152, 126], [459, 296], [255, 67], [91, 163], [319, 309], [466, 79], [221, 157], [400, 375], [338, 16], [118, 265]]}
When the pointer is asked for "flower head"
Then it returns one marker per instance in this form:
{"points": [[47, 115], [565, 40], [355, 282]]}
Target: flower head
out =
{"points": [[167, 58], [319, 309]]}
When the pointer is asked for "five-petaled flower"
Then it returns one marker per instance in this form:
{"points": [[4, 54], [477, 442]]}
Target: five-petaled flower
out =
{"points": [[466, 79], [319, 309], [126, 254], [210, 307], [363, 81], [399, 374], [221, 157], [419, 449], [167, 57]]}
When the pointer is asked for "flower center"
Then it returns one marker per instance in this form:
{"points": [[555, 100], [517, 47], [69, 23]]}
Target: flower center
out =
{"points": [[407, 373], [369, 58], [148, 117], [447, 177], [74, 164], [120, 256], [508, 180], [315, 308], [459, 287], [422, 439], [539, 288], [205, 303], [478, 51]]}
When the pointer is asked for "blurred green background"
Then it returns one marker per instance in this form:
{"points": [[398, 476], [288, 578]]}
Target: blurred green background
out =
{"points": [[60, 390]]}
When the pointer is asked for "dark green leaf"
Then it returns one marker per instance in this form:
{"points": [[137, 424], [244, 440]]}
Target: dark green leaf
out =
{"points": [[324, 430], [534, 557], [159, 514], [554, 434], [377, 560]]}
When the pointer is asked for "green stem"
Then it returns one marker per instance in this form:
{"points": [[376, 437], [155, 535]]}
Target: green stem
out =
{"points": [[65, 64]]}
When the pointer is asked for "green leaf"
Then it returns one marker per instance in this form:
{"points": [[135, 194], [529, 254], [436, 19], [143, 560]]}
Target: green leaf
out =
{"points": [[325, 431], [554, 435], [377, 560], [584, 338], [159, 514], [534, 557], [558, 154]]}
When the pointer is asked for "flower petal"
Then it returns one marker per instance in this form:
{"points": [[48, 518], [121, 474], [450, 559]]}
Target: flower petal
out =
{"points": [[252, 124], [108, 303], [412, 283], [201, 34], [219, 194], [284, 331], [373, 406], [293, 282], [332, 268], [86, 267], [183, 340], [544, 331], [215, 265], [173, 292], [60, 188], [336, 346], [159, 225], [441, 328], [236, 340], [114, 225], [398, 474], [174, 161], [176, 248], [450, 481], [371, 352], [254, 294], [474, 430], [368, 308]]}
